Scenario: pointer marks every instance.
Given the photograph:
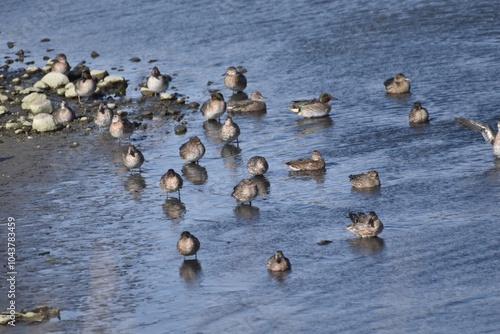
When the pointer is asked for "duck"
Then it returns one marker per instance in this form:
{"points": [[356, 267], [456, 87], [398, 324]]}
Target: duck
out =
{"points": [[418, 114], [85, 86], [369, 179], [121, 128], [399, 84], [365, 226], [255, 104], [133, 159], [486, 130], [64, 114], [61, 64], [313, 108], [215, 107], [103, 116], [257, 165], [316, 162], [158, 82], [278, 262], [171, 182], [188, 244], [193, 150], [245, 191], [234, 80], [230, 131]]}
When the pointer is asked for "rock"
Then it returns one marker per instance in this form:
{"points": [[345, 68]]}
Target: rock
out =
{"points": [[135, 59], [194, 105], [114, 79], [3, 110], [32, 70], [44, 122], [41, 106], [94, 54], [55, 79], [180, 129], [70, 91], [167, 96], [146, 91], [26, 102], [25, 76], [18, 131], [29, 90], [99, 74], [12, 125], [46, 69], [61, 91], [16, 81], [4, 98], [41, 85]]}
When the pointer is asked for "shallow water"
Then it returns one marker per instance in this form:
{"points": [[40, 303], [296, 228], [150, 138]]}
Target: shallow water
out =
{"points": [[113, 266]]}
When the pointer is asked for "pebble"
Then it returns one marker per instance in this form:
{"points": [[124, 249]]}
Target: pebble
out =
{"points": [[3, 110], [99, 74], [41, 85], [135, 59], [4, 98], [70, 91], [180, 129], [32, 70], [94, 54]]}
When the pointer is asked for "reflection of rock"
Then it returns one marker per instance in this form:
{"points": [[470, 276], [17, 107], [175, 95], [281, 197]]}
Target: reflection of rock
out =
{"points": [[195, 173], [246, 211], [367, 245], [314, 124], [229, 151], [135, 183], [212, 130], [239, 96], [174, 209], [316, 175], [262, 183], [190, 271]]}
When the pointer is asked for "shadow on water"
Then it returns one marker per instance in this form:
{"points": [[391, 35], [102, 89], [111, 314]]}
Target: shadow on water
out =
{"points": [[279, 276], [313, 125], [174, 209], [195, 173], [262, 183], [239, 96], [191, 273], [307, 175], [135, 183], [366, 245], [212, 130], [246, 211]]}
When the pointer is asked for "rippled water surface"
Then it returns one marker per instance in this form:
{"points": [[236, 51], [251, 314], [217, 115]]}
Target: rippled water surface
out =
{"points": [[113, 266]]}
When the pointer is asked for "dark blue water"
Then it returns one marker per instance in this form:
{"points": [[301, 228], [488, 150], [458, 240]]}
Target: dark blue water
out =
{"points": [[113, 266]]}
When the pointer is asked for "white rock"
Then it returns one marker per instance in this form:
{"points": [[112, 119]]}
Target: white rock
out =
{"points": [[166, 96], [99, 74], [41, 85], [114, 79], [26, 102], [41, 106], [44, 122], [146, 91], [30, 90], [32, 69], [3, 110], [55, 79], [47, 69], [12, 125], [61, 91], [4, 98], [70, 91]]}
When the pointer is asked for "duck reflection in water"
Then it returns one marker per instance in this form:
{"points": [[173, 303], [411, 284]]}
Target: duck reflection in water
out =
{"points": [[212, 130], [312, 125], [190, 271], [238, 96], [246, 211], [195, 173], [262, 184], [135, 183], [174, 209], [367, 245], [316, 175]]}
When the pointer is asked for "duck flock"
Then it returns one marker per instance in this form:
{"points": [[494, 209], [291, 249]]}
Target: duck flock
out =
{"points": [[363, 225]]}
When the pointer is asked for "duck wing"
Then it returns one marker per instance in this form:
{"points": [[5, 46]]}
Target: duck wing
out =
{"points": [[485, 129]]}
